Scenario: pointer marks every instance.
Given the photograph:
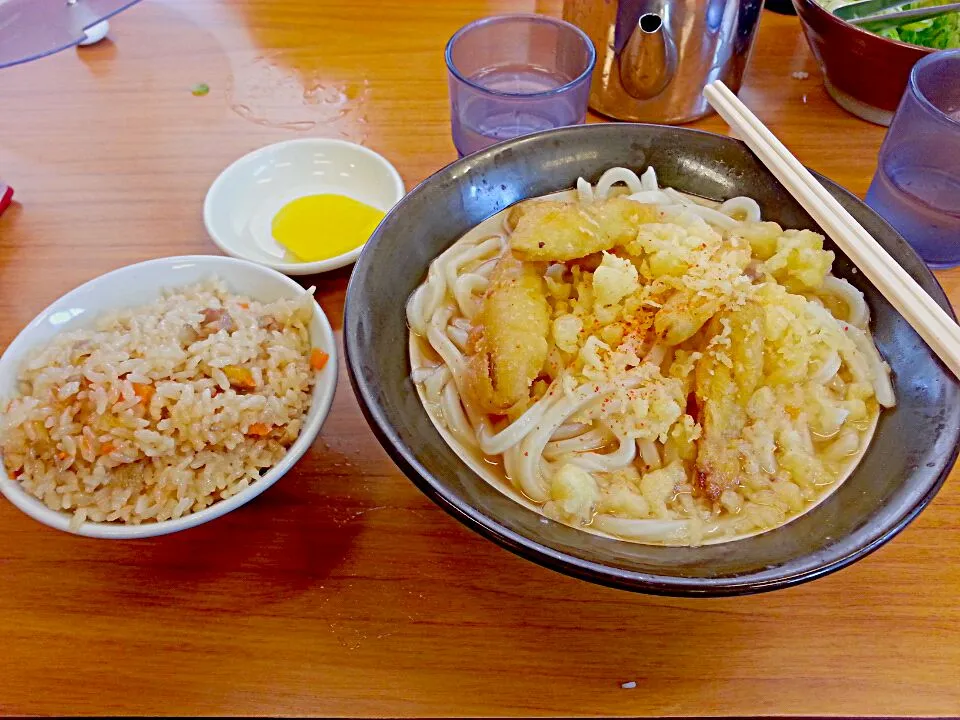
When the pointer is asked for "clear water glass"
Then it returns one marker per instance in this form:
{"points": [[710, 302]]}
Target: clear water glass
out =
{"points": [[512, 75], [917, 184], [31, 29]]}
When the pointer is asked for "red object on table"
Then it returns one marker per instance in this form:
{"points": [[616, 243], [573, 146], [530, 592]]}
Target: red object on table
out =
{"points": [[6, 197]]}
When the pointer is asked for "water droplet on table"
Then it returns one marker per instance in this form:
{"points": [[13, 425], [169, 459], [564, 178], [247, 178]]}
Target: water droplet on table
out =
{"points": [[283, 89]]}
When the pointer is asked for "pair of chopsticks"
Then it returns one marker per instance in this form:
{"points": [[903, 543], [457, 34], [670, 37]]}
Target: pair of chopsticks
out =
{"points": [[930, 321]]}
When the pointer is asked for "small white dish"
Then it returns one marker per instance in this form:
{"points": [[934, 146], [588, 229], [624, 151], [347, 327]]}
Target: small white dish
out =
{"points": [[241, 203], [137, 285]]}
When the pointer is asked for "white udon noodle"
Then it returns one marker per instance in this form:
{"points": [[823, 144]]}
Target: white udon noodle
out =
{"points": [[544, 437]]}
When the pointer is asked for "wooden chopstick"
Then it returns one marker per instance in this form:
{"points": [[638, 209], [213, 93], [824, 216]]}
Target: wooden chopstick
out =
{"points": [[930, 321], [734, 107], [863, 249]]}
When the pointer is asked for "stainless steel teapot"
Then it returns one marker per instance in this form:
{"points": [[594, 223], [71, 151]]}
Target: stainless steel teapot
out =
{"points": [[654, 57]]}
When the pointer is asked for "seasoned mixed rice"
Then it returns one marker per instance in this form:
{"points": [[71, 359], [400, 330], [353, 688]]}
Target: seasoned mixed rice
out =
{"points": [[164, 409]]}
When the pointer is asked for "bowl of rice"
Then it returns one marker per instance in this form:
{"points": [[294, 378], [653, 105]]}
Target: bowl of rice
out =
{"points": [[162, 395]]}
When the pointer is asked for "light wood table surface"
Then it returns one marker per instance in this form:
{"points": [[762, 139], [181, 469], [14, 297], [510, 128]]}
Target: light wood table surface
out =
{"points": [[342, 590]]}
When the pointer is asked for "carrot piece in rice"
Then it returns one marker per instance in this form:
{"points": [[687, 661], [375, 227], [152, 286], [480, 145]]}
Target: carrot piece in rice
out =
{"points": [[144, 391], [318, 359], [258, 428]]}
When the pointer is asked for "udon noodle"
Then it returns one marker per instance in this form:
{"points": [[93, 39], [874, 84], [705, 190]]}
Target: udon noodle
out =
{"points": [[640, 363]]}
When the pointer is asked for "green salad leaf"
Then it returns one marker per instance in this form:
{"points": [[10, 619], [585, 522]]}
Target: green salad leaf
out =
{"points": [[940, 33]]}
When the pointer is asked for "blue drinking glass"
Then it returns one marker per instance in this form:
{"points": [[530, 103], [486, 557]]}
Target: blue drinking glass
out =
{"points": [[917, 184], [512, 75]]}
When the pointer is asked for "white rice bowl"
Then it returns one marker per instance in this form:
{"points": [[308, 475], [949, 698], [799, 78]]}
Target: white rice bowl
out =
{"points": [[82, 309]]}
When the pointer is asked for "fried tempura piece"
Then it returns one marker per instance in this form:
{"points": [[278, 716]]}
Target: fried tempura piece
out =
{"points": [[508, 345], [556, 230], [683, 314], [705, 288], [726, 378], [518, 211]]}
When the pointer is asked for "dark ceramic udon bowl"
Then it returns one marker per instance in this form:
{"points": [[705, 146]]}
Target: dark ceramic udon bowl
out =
{"points": [[913, 450]]}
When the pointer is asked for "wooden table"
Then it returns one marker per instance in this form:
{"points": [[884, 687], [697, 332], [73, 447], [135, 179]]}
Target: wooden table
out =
{"points": [[343, 590]]}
